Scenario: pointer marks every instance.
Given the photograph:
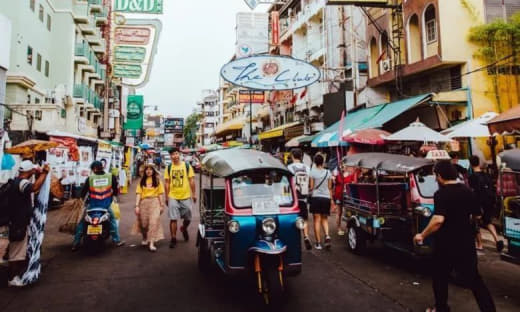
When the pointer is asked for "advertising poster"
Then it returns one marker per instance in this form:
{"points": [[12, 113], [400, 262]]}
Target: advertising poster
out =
{"points": [[104, 155], [86, 156], [134, 117], [57, 156]]}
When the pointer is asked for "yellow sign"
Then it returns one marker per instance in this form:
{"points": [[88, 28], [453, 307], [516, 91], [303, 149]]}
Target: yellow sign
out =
{"points": [[94, 229]]}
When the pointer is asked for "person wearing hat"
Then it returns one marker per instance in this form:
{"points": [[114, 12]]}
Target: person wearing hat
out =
{"points": [[21, 203], [102, 188]]}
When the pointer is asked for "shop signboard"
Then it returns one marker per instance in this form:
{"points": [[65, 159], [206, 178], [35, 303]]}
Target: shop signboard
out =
{"points": [[367, 3], [132, 35], [275, 28], [130, 141], [267, 72], [134, 117], [127, 70], [129, 54], [139, 6], [252, 33], [174, 125], [254, 97]]}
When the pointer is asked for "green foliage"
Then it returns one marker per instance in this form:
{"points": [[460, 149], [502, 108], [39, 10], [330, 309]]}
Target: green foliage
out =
{"points": [[190, 129]]}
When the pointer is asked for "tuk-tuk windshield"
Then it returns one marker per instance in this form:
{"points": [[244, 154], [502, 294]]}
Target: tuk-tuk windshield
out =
{"points": [[427, 185], [271, 185]]}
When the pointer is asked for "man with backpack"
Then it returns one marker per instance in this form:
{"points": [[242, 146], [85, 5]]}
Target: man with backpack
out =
{"points": [[301, 175], [482, 185], [19, 210], [181, 194]]}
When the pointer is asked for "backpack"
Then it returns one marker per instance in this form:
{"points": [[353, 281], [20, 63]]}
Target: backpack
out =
{"points": [[185, 163], [485, 191], [5, 194], [302, 179]]}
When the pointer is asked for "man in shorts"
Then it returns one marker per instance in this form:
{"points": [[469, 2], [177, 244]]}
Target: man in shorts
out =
{"points": [[180, 190], [301, 175]]}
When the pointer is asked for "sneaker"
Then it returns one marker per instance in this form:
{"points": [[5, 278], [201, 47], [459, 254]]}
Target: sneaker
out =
{"points": [[500, 245], [144, 243], [341, 233], [307, 243], [16, 282], [119, 244], [75, 247], [152, 248], [327, 242], [184, 232], [318, 246], [173, 243]]}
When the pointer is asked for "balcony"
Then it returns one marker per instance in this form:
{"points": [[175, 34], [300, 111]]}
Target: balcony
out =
{"points": [[94, 39], [308, 12], [315, 46], [81, 53], [80, 12], [88, 28], [80, 92], [101, 17], [101, 47], [95, 5]]}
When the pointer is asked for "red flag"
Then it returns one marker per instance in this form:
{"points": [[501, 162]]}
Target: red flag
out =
{"points": [[294, 98], [303, 94], [380, 58]]}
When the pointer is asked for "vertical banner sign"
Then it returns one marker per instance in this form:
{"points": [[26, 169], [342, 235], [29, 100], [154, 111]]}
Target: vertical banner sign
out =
{"points": [[252, 34], [275, 28], [134, 117]]}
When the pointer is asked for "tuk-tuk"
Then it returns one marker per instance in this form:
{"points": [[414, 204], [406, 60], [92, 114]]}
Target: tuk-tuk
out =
{"points": [[249, 219], [391, 201], [509, 193]]}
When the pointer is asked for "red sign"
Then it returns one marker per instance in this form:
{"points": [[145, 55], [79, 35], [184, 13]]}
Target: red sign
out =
{"points": [[275, 28], [132, 35], [257, 97]]}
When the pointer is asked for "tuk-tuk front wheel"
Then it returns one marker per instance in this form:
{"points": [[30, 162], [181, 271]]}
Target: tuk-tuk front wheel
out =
{"points": [[274, 286], [356, 239]]}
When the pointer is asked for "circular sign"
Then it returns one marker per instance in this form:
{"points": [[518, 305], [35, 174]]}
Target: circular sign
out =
{"points": [[270, 72]]}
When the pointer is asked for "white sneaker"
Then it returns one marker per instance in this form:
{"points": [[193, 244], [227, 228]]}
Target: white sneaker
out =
{"points": [[16, 282], [341, 233]]}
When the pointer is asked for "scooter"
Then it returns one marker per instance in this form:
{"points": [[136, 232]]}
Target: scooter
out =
{"points": [[97, 230]]}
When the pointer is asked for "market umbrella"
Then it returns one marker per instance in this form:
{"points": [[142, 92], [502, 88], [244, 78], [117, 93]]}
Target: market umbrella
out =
{"points": [[472, 128], [31, 146], [367, 136], [507, 122], [417, 131], [145, 146]]}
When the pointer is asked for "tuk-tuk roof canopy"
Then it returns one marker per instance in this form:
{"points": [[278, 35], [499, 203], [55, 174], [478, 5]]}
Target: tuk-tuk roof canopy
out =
{"points": [[387, 162], [230, 162], [511, 158]]}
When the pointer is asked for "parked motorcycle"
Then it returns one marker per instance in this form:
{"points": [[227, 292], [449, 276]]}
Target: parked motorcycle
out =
{"points": [[97, 228]]}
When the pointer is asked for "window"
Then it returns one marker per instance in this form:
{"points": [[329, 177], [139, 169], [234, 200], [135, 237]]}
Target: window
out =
{"points": [[32, 4], [40, 13], [29, 55], [269, 187], [49, 22], [431, 34], [430, 24], [39, 62], [47, 65], [36, 101]]}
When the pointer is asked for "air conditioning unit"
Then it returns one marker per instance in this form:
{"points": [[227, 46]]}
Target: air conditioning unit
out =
{"points": [[387, 65]]}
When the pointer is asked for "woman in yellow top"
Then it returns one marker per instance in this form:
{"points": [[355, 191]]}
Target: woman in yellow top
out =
{"points": [[148, 208]]}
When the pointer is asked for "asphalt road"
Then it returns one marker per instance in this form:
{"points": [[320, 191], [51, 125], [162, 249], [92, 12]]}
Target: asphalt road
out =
{"points": [[131, 278]]}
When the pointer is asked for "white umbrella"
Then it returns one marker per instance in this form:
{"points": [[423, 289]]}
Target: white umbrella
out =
{"points": [[472, 128], [417, 131]]}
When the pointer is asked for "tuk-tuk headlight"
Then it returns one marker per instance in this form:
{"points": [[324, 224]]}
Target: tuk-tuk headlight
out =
{"points": [[424, 211], [300, 223], [233, 226], [268, 226]]}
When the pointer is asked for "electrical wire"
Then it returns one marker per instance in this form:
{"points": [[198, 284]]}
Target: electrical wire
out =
{"points": [[15, 111]]}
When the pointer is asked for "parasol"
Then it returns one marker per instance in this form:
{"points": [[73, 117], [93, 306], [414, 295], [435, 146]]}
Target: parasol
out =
{"points": [[472, 128], [367, 136], [31, 146], [417, 131]]}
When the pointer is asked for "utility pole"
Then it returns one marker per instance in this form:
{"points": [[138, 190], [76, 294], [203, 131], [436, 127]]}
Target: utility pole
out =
{"points": [[106, 34], [250, 117]]}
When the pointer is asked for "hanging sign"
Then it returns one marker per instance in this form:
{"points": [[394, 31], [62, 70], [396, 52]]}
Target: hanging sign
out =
{"points": [[129, 54], [265, 72], [132, 35], [127, 70], [134, 116], [139, 6], [252, 33], [275, 28], [255, 97]]}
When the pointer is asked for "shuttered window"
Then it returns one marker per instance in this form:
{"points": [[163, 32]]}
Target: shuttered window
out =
{"points": [[496, 10]]}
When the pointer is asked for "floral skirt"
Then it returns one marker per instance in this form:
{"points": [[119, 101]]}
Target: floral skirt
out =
{"points": [[148, 222]]}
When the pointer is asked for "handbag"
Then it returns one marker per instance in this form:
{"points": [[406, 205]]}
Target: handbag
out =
{"points": [[116, 210], [319, 184]]}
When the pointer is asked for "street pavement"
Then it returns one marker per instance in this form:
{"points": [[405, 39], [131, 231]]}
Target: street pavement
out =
{"points": [[130, 278]]}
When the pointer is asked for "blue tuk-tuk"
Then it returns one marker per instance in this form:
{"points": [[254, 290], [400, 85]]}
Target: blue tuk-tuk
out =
{"points": [[249, 219], [390, 202], [509, 193]]}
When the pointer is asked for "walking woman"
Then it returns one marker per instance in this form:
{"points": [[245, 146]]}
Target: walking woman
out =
{"points": [[321, 200], [345, 176], [148, 208]]}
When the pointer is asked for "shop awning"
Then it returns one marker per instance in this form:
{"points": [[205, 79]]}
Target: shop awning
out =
{"points": [[372, 117], [57, 133], [278, 131], [231, 125], [507, 122]]}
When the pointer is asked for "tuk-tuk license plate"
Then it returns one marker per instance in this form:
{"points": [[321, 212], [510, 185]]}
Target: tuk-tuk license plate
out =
{"points": [[94, 229], [265, 207]]}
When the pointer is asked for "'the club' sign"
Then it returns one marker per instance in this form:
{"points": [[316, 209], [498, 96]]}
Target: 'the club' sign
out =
{"points": [[268, 72]]}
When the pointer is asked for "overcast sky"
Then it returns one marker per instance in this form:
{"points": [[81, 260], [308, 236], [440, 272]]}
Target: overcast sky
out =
{"points": [[198, 37]]}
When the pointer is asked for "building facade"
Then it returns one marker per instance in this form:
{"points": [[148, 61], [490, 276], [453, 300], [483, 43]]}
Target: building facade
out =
{"points": [[57, 73]]}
